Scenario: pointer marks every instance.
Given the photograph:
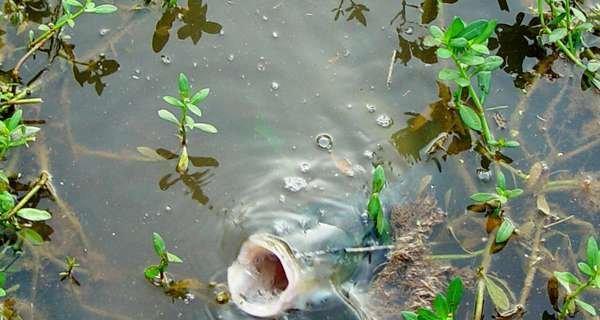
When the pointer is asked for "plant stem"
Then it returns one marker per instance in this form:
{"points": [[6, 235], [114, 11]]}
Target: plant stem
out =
{"points": [[42, 180], [483, 268], [487, 135], [562, 185], [570, 297]]}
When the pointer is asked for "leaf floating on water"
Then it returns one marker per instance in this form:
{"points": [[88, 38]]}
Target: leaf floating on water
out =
{"points": [[553, 293], [498, 296], [542, 205], [150, 154]]}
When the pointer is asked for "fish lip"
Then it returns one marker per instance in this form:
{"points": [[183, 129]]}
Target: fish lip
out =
{"points": [[240, 284]]}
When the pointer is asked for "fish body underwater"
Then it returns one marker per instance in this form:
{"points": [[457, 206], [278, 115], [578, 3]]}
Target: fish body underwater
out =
{"points": [[306, 270]]}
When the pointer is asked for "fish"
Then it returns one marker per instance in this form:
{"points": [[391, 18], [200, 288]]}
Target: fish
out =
{"points": [[273, 275]]}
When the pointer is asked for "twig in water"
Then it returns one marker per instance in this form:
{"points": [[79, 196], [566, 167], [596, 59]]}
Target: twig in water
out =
{"points": [[388, 82], [558, 222], [42, 180]]}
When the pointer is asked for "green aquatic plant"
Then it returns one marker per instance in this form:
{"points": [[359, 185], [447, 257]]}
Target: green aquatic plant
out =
{"points": [[187, 104], [156, 273], [68, 273], [575, 286], [13, 133], [466, 45], [375, 208], [491, 203], [68, 18], [566, 26], [444, 305]]}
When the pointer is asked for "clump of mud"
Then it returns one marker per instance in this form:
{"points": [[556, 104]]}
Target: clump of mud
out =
{"points": [[410, 279]]}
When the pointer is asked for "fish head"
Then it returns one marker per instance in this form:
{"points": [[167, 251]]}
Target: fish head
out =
{"points": [[266, 279]]}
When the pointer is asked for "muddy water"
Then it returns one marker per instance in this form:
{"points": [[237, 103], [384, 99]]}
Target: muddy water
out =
{"points": [[280, 73]]}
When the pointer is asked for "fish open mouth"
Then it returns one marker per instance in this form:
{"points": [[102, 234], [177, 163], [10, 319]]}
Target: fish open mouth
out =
{"points": [[263, 279]]}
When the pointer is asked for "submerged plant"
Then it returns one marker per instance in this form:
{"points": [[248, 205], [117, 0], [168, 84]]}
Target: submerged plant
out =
{"points": [[444, 305], [70, 265], [13, 133], [491, 204], [572, 300], [375, 208], [566, 27], [156, 273], [466, 45], [186, 103]]}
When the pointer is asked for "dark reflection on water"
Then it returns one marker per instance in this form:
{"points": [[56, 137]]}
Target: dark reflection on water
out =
{"points": [[410, 49], [355, 11], [93, 71], [438, 129], [194, 20], [193, 181], [27, 10]]}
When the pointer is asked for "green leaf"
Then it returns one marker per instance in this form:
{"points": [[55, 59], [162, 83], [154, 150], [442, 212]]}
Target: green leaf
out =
{"points": [[184, 160], [586, 307], [200, 96], [436, 32], [491, 63], [484, 79], [152, 272], [471, 59], [73, 3], [505, 231], [430, 41], [2, 279], [194, 109], [584, 27], [469, 117], [448, 74], [585, 268], [206, 127], [14, 120], [480, 48], [484, 197], [167, 115], [486, 33], [173, 101], [32, 214], [458, 42], [514, 193], [105, 8], [43, 27], [173, 258], [511, 144], [440, 306], [593, 65], [454, 294], [7, 201], [426, 314], [378, 179], [159, 244], [456, 27], [31, 235], [374, 206], [462, 82], [71, 23], [500, 179], [557, 34], [474, 29], [407, 315], [566, 279], [443, 53], [2, 292], [497, 295], [383, 227], [184, 85], [578, 14], [592, 252]]}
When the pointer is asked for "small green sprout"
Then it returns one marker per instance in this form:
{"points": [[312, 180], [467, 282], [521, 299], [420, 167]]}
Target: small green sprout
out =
{"points": [[444, 305], [375, 208], [157, 273], [70, 265], [186, 103], [575, 286]]}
